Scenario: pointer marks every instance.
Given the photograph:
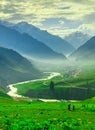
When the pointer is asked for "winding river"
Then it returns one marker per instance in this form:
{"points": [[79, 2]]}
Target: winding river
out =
{"points": [[13, 91]]}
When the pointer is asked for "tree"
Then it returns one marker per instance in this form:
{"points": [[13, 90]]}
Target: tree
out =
{"points": [[51, 86], [88, 89]]}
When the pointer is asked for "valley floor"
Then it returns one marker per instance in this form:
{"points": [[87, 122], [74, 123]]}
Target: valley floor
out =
{"points": [[20, 114], [13, 91]]}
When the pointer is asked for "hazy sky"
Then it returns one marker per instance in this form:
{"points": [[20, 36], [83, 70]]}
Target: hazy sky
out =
{"points": [[59, 17]]}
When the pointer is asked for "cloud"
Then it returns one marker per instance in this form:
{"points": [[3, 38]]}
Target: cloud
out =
{"points": [[4, 16], [48, 9], [90, 18], [84, 28], [88, 28], [61, 16]]}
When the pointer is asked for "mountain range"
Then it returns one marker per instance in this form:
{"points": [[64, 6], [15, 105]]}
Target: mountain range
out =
{"points": [[26, 45], [54, 42], [77, 39], [86, 51]]}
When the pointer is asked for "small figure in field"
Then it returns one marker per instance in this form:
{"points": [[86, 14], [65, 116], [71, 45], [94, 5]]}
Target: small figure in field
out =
{"points": [[69, 107], [73, 107]]}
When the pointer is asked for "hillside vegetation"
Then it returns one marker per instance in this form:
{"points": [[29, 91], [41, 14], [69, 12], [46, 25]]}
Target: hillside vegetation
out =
{"points": [[76, 83], [3, 94], [15, 68]]}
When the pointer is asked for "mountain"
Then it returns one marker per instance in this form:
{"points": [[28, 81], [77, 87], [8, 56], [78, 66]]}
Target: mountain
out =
{"points": [[86, 51], [26, 45], [54, 42], [6, 23], [77, 39], [15, 68], [3, 94]]}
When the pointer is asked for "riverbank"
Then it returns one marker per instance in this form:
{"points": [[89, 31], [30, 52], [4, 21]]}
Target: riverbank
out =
{"points": [[13, 91]]}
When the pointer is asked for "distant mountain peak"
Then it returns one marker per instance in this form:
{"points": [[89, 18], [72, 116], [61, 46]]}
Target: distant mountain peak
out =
{"points": [[86, 51], [77, 38], [25, 25], [22, 24], [26, 44], [56, 43]]}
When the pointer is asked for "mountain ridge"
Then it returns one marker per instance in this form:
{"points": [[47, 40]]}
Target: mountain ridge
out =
{"points": [[86, 51], [15, 68], [56, 43], [25, 44], [77, 39]]}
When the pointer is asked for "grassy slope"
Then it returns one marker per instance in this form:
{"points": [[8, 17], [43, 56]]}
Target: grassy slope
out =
{"points": [[53, 116], [3, 94], [15, 68], [67, 87]]}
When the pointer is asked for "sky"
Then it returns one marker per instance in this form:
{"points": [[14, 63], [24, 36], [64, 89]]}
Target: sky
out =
{"points": [[59, 17]]}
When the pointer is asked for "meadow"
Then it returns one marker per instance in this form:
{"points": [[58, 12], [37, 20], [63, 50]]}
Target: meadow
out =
{"points": [[21, 115], [75, 83]]}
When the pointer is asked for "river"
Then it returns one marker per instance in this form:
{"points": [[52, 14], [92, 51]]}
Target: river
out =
{"points": [[13, 91]]}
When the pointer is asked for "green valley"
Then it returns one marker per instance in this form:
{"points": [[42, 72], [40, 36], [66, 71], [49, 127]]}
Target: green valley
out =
{"points": [[74, 83], [47, 65]]}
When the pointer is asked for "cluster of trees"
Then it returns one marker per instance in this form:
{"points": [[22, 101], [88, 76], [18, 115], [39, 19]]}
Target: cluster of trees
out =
{"points": [[51, 86]]}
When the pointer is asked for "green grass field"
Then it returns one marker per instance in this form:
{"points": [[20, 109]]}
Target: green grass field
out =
{"points": [[80, 79], [20, 115], [3, 94], [74, 83]]}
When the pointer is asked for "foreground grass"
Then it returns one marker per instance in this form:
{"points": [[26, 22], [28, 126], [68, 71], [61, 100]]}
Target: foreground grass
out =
{"points": [[20, 115]]}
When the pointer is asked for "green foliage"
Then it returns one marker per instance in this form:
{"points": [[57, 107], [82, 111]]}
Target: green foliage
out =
{"points": [[50, 124], [51, 86], [53, 116], [66, 86], [15, 115], [3, 94]]}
